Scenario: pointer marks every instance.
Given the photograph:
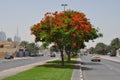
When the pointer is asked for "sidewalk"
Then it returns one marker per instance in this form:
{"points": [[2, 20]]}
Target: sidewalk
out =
{"points": [[116, 59]]}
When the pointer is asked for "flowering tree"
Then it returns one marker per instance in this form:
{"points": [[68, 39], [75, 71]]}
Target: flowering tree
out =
{"points": [[67, 29]]}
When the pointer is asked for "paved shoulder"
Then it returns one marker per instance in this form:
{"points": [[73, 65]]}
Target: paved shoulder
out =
{"points": [[116, 59]]}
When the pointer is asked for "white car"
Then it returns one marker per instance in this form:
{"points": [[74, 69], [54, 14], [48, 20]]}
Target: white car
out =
{"points": [[95, 58]]}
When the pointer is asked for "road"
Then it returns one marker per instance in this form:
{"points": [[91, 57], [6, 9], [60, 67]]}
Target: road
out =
{"points": [[104, 70], [7, 64]]}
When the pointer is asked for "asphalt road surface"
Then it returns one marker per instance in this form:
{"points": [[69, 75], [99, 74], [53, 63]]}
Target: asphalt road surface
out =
{"points": [[7, 64], [104, 70]]}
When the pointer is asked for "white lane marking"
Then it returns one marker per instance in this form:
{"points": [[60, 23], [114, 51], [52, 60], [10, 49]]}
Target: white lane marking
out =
{"points": [[81, 74]]}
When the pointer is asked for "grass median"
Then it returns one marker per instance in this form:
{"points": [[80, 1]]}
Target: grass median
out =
{"points": [[49, 71]]}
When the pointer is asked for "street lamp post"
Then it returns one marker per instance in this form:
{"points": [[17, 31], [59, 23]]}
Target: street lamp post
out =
{"points": [[64, 5]]}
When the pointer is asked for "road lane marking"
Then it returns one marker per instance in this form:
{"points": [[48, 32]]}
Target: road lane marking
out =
{"points": [[81, 74]]}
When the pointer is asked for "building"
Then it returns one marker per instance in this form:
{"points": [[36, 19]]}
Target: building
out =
{"points": [[17, 38], [2, 36], [8, 48], [118, 52]]}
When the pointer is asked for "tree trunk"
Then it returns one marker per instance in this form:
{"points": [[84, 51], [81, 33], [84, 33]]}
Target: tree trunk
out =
{"points": [[69, 58], [62, 57]]}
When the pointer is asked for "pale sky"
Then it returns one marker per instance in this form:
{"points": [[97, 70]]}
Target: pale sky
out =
{"points": [[104, 14]]}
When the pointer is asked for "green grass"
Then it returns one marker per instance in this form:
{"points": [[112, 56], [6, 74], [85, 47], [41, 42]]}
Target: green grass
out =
{"points": [[50, 71]]}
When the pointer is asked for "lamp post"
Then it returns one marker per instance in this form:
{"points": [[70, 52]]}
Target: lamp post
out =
{"points": [[64, 5]]}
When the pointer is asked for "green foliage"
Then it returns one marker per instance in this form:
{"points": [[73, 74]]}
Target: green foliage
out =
{"points": [[24, 44], [45, 45], [54, 49], [115, 44], [32, 47], [91, 50], [93, 35], [101, 48]]}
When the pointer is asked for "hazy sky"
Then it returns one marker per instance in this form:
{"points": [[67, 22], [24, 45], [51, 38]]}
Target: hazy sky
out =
{"points": [[104, 14]]}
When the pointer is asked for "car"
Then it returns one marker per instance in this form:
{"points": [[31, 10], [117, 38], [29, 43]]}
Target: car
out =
{"points": [[9, 57], [112, 54], [96, 58], [40, 54], [53, 55], [33, 55]]}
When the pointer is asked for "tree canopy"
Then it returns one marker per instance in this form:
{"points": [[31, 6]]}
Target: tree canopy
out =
{"points": [[68, 28]]}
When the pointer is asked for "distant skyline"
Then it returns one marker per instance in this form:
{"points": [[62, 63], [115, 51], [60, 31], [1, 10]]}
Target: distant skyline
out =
{"points": [[104, 14]]}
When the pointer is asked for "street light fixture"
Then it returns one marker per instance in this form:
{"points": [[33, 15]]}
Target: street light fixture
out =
{"points": [[64, 5]]}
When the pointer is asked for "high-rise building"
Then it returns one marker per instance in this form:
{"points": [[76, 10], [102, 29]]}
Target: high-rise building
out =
{"points": [[16, 37], [2, 36]]}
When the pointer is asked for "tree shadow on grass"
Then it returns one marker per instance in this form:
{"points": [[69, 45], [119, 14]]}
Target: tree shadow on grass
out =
{"points": [[57, 64]]}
